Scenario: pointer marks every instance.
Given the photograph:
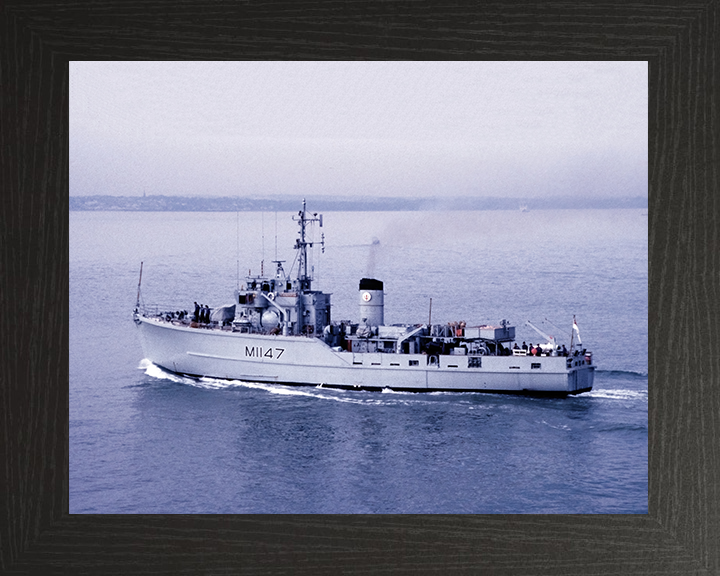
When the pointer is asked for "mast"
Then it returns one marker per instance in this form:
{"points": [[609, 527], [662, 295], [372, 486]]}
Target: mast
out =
{"points": [[137, 304], [304, 279]]}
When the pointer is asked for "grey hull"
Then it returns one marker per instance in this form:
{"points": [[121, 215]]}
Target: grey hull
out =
{"points": [[309, 361]]}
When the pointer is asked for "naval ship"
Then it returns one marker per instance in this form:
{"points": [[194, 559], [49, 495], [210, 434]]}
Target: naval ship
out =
{"points": [[279, 330]]}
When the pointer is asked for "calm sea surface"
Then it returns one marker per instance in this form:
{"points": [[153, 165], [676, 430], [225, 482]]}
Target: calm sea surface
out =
{"points": [[146, 441]]}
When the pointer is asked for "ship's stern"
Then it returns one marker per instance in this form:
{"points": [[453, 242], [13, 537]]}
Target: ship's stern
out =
{"points": [[581, 379]]}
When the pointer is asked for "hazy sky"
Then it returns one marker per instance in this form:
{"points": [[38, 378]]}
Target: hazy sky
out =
{"points": [[359, 128]]}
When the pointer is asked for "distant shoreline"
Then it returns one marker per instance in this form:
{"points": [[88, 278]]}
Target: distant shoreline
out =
{"points": [[325, 203]]}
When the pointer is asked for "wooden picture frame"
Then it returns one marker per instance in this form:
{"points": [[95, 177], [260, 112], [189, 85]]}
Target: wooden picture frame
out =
{"points": [[680, 41]]}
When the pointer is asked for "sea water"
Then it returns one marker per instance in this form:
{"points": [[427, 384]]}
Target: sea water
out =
{"points": [[143, 440]]}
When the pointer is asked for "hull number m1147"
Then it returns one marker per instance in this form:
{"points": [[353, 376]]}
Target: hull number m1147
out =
{"points": [[260, 352]]}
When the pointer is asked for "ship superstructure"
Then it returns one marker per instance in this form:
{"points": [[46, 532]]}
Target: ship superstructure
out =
{"points": [[280, 330], [280, 304]]}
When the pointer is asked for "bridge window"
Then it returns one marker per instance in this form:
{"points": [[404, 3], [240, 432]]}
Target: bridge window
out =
{"points": [[475, 362], [413, 363], [535, 365]]}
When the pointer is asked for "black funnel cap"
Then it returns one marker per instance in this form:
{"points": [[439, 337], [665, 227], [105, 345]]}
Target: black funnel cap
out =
{"points": [[370, 284]]}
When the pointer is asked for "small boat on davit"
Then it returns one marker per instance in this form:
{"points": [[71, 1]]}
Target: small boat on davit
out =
{"points": [[279, 330]]}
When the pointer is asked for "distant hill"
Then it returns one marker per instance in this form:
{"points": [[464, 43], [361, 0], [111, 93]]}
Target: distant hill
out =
{"points": [[328, 203]]}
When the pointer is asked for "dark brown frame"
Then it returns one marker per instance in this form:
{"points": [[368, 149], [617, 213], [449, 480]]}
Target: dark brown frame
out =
{"points": [[681, 43]]}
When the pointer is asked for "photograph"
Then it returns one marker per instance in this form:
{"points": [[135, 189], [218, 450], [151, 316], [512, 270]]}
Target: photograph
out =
{"points": [[390, 287]]}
